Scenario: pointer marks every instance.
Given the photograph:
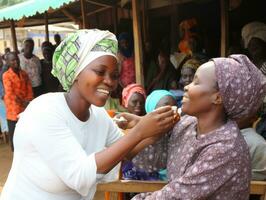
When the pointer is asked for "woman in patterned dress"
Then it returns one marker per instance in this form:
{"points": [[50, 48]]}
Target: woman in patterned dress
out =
{"points": [[207, 156]]}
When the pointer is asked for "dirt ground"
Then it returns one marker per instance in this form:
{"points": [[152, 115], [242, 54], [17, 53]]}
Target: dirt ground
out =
{"points": [[6, 157]]}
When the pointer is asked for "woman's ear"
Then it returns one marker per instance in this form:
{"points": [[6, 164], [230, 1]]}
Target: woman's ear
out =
{"points": [[216, 98]]}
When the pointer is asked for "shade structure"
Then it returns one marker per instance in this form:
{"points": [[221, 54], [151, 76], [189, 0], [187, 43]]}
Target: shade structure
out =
{"points": [[28, 8]]}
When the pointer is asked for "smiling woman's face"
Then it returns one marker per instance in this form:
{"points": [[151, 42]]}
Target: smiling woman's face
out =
{"points": [[199, 95], [136, 104], [96, 82]]}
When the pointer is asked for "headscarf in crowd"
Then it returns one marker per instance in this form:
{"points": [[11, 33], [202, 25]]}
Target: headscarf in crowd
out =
{"points": [[253, 30], [126, 52], [129, 91], [192, 64], [154, 98], [78, 50], [241, 84], [186, 30]]}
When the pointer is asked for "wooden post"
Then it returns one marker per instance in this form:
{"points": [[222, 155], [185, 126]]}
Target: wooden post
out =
{"points": [[83, 13], [174, 27], [46, 26], [72, 17], [137, 42], [145, 21], [224, 26], [114, 18], [13, 35]]}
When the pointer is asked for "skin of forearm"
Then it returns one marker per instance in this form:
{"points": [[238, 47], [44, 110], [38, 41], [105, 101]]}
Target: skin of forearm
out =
{"points": [[109, 157]]}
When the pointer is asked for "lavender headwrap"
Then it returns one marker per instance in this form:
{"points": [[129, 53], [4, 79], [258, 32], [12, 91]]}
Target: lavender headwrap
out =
{"points": [[241, 84]]}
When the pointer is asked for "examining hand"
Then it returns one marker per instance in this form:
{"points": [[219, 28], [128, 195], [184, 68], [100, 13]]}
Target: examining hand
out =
{"points": [[159, 121], [130, 120]]}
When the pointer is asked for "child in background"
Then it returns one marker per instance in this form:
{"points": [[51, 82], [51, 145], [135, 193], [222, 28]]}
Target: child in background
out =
{"points": [[151, 167]]}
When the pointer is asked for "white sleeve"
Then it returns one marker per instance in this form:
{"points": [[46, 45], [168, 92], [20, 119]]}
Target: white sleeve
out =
{"points": [[59, 148], [114, 133]]}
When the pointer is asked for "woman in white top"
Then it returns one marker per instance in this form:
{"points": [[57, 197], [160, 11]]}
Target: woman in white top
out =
{"points": [[63, 140]]}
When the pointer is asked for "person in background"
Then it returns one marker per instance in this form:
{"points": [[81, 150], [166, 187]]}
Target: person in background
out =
{"points": [[197, 51], [166, 74], [3, 121], [133, 99], [49, 82], [257, 147], [57, 39], [18, 92], [47, 44], [188, 71], [187, 29], [139, 170], [208, 157], [126, 60], [7, 50], [254, 39], [32, 66]]}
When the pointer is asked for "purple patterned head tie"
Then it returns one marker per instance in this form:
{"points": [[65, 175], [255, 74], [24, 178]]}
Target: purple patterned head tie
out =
{"points": [[241, 84]]}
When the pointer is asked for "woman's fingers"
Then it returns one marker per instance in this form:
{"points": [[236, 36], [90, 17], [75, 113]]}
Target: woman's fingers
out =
{"points": [[169, 113], [162, 109]]}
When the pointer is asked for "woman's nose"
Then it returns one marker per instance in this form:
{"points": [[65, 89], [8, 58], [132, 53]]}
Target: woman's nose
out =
{"points": [[109, 81]]}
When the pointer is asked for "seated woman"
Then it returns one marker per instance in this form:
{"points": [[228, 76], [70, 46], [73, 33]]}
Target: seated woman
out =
{"points": [[154, 170], [257, 147], [208, 157], [133, 99]]}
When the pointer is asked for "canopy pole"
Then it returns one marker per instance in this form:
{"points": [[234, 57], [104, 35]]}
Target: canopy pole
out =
{"points": [[114, 18], [46, 26], [224, 26], [145, 21], [137, 42], [13, 35], [83, 14]]}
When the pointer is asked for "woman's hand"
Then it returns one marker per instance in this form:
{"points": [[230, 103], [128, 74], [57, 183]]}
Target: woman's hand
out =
{"points": [[159, 121], [130, 120]]}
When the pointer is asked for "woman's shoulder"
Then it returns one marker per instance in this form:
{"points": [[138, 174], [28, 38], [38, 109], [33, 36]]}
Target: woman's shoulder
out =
{"points": [[48, 102], [186, 122], [100, 113]]}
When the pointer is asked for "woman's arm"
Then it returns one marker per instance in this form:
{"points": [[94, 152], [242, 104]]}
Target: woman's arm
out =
{"points": [[154, 123]]}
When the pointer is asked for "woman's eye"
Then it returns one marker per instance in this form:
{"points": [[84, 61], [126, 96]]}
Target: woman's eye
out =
{"points": [[99, 72], [115, 76]]}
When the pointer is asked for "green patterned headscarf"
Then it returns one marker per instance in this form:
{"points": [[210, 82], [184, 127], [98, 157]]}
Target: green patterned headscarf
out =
{"points": [[78, 50]]}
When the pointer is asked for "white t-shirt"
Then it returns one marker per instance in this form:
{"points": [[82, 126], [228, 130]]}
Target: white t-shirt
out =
{"points": [[54, 151]]}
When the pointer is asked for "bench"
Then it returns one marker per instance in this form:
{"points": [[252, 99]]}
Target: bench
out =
{"points": [[113, 190]]}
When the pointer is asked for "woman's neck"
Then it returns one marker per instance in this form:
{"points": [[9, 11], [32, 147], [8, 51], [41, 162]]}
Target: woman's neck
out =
{"points": [[78, 105], [209, 122]]}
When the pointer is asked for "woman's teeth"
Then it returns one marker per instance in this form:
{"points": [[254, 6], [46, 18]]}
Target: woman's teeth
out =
{"points": [[103, 91]]}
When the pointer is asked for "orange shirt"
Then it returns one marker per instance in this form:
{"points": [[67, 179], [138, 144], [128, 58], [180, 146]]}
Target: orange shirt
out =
{"points": [[16, 87]]}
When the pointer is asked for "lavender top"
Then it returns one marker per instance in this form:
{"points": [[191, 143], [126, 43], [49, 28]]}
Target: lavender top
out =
{"points": [[210, 166]]}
